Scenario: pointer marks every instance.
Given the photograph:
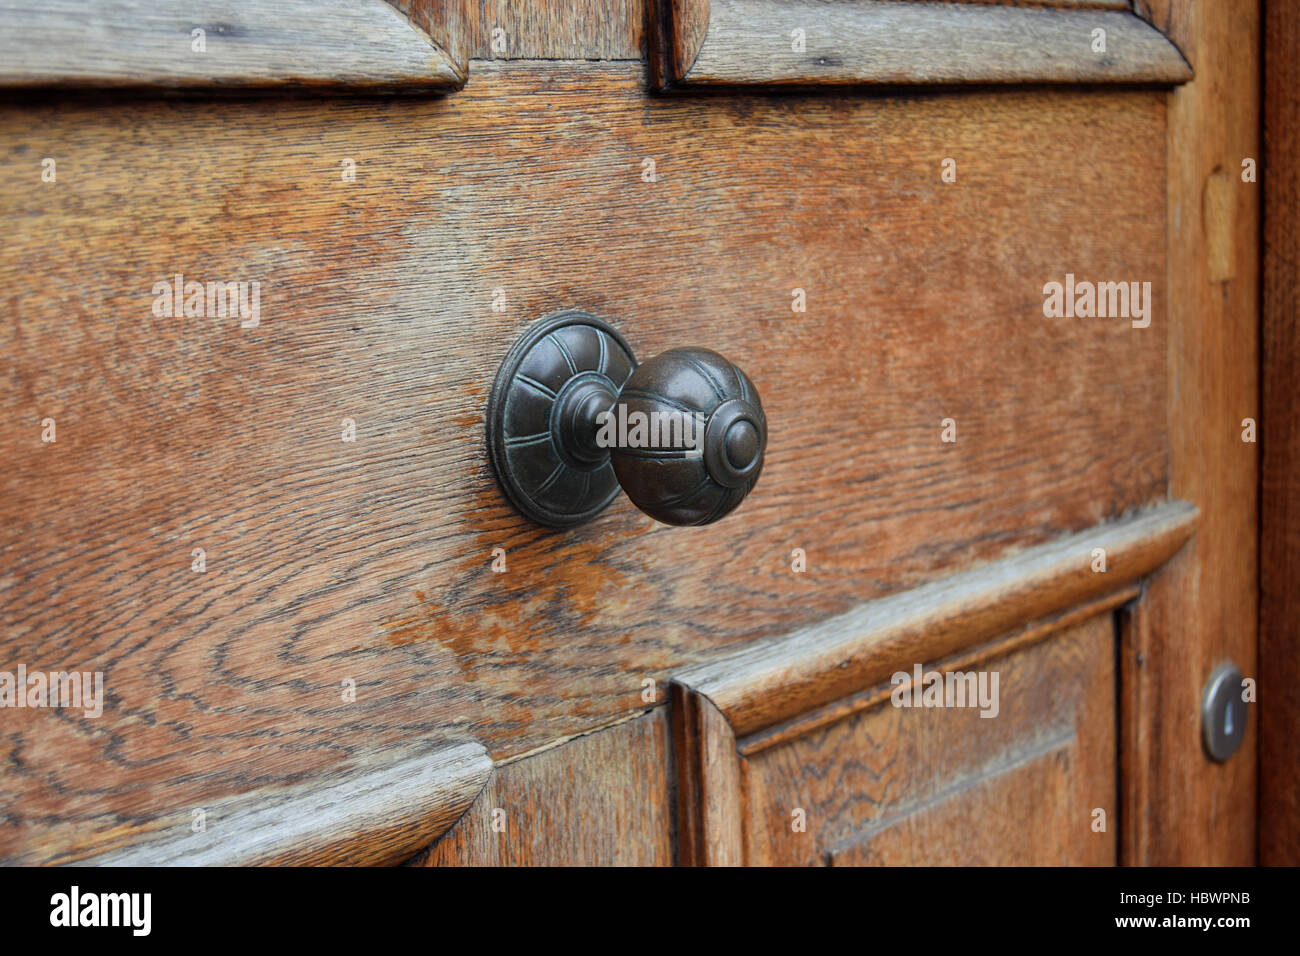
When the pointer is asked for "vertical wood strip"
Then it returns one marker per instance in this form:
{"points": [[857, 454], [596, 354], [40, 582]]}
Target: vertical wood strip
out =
{"points": [[555, 29], [1279, 624], [1202, 609], [709, 787]]}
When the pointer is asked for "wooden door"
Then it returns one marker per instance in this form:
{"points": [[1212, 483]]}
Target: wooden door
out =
{"points": [[993, 269]]}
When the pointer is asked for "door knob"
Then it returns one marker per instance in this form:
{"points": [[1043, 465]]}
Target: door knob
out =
{"points": [[572, 418]]}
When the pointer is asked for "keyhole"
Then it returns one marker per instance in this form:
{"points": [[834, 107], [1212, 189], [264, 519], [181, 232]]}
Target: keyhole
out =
{"points": [[1224, 716]]}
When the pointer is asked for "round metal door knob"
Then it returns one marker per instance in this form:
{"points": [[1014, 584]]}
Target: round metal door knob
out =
{"points": [[572, 418]]}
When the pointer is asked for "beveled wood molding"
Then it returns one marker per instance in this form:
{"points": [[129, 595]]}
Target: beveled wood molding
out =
{"points": [[332, 46], [379, 812], [776, 680], [887, 42]]}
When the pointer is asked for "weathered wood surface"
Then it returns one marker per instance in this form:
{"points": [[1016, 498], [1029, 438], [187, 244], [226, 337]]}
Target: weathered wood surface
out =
{"points": [[1279, 612], [371, 560], [1203, 609], [246, 45], [1023, 794], [603, 799], [812, 42]]}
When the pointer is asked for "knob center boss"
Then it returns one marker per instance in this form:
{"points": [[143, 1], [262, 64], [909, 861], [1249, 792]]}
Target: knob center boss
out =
{"points": [[572, 418]]}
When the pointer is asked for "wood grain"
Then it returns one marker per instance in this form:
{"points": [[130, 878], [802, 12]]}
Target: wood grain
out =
{"points": [[371, 560], [602, 799], [776, 680], [944, 786], [752, 42], [248, 45], [556, 29], [1219, 217], [1203, 609], [1279, 571], [375, 813], [1012, 816]]}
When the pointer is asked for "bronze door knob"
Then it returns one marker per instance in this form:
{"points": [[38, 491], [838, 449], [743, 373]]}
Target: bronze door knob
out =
{"points": [[572, 418]]}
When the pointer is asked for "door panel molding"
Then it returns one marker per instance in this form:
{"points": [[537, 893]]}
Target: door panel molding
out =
{"points": [[378, 811], [778, 679], [710, 792], [250, 45], [1027, 636], [812, 42]]}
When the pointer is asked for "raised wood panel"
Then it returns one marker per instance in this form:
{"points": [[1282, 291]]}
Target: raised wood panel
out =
{"points": [[765, 706], [598, 800], [247, 45], [933, 786], [813, 42], [1019, 815], [371, 560], [1279, 527]]}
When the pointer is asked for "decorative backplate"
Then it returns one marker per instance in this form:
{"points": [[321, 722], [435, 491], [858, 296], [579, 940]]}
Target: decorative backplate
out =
{"points": [[555, 361]]}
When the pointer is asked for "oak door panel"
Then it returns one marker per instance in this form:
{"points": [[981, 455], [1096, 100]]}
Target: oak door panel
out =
{"points": [[371, 560], [947, 785], [1018, 815]]}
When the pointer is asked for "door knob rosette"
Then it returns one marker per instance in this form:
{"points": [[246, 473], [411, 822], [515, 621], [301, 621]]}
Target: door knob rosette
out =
{"points": [[572, 418]]}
